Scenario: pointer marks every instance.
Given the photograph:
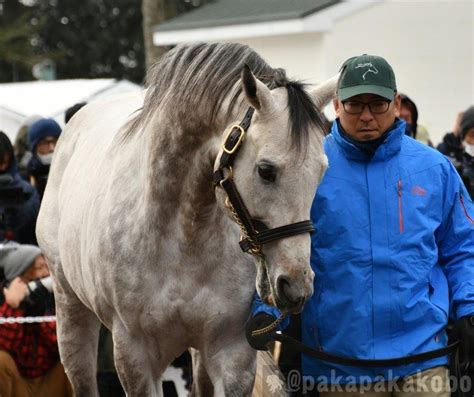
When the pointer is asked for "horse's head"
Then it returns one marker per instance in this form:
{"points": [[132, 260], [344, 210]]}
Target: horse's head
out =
{"points": [[276, 170]]}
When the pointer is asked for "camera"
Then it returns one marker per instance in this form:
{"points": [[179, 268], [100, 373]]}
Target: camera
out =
{"points": [[11, 197]]}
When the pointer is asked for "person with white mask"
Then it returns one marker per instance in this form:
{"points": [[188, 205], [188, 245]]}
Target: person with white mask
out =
{"points": [[467, 136], [42, 138]]}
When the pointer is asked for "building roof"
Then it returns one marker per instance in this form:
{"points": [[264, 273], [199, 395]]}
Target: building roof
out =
{"points": [[241, 19], [234, 12]]}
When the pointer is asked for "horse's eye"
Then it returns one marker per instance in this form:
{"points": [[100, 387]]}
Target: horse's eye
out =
{"points": [[267, 172]]}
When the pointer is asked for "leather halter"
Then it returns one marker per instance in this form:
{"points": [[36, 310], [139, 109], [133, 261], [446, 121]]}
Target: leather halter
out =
{"points": [[254, 233]]}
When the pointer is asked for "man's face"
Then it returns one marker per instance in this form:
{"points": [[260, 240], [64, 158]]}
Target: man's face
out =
{"points": [[469, 137], [38, 269], [46, 145], [367, 125]]}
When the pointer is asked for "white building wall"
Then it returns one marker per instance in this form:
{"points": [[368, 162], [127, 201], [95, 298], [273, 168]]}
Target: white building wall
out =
{"points": [[299, 54], [430, 45]]}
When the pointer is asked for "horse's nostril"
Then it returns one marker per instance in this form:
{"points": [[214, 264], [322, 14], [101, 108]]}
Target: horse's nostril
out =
{"points": [[284, 290]]}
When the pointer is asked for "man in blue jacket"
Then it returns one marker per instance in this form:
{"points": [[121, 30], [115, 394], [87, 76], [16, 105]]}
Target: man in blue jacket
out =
{"points": [[393, 254]]}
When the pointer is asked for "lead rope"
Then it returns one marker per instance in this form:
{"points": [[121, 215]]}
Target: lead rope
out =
{"points": [[257, 251], [269, 328]]}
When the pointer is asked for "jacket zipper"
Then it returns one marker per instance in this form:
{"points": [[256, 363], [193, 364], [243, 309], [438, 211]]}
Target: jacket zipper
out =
{"points": [[461, 197], [400, 209]]}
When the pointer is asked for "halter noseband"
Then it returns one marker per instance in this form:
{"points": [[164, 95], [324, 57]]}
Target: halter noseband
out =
{"points": [[253, 232]]}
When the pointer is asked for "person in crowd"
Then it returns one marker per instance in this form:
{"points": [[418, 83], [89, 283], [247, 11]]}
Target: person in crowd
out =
{"points": [[22, 152], [467, 138], [451, 145], [71, 111], [409, 113], [19, 201], [29, 357], [42, 138], [393, 254]]}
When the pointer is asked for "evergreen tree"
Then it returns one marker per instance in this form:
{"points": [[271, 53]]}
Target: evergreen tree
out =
{"points": [[17, 53], [86, 39], [96, 38]]}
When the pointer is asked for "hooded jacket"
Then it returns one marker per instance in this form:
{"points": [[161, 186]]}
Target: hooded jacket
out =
{"points": [[393, 256]]}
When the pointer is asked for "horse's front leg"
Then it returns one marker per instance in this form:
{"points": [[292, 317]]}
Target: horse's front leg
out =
{"points": [[202, 384], [231, 365], [78, 338], [138, 375]]}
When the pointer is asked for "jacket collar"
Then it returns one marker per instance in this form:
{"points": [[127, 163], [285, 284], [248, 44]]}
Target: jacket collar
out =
{"points": [[389, 148]]}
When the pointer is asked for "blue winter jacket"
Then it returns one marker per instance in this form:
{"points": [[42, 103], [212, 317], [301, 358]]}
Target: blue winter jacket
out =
{"points": [[393, 256]]}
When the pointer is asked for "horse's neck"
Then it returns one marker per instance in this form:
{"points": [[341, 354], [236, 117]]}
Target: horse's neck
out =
{"points": [[179, 177]]}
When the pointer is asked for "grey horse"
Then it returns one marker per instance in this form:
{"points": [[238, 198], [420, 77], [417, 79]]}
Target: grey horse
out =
{"points": [[139, 239]]}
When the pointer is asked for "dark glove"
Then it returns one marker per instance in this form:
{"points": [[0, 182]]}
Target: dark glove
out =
{"points": [[464, 331], [261, 320], [40, 293], [36, 302]]}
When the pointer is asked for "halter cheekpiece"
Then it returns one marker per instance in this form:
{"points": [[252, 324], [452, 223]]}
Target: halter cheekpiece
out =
{"points": [[254, 233]]}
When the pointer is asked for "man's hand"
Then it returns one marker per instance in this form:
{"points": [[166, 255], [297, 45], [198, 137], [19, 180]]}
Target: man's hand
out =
{"points": [[15, 293], [464, 331], [261, 320]]}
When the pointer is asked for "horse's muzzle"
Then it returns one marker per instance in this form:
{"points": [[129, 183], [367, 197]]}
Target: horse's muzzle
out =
{"points": [[291, 297]]}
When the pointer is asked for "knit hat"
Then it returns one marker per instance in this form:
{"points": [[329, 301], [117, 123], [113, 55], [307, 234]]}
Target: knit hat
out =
{"points": [[40, 130], [366, 74], [16, 259], [467, 121]]}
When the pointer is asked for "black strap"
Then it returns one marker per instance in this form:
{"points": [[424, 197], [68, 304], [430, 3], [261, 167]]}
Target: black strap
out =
{"points": [[238, 204], [269, 235], [390, 362]]}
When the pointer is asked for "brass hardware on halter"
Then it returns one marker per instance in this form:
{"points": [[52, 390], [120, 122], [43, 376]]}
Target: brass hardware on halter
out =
{"points": [[256, 249], [239, 141]]}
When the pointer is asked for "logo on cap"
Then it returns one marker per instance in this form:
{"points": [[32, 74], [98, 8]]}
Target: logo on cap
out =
{"points": [[371, 68]]}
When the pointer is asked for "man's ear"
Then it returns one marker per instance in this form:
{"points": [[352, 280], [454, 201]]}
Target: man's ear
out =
{"points": [[336, 105], [397, 103]]}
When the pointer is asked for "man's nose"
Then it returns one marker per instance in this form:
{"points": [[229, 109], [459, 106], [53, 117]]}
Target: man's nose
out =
{"points": [[366, 114]]}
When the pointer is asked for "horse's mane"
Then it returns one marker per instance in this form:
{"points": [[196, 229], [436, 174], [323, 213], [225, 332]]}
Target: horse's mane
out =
{"points": [[192, 81]]}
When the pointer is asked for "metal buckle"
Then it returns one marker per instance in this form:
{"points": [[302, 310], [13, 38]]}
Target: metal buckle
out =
{"points": [[239, 141]]}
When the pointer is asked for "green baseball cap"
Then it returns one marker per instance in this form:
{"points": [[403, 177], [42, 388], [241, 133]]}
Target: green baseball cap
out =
{"points": [[366, 74]]}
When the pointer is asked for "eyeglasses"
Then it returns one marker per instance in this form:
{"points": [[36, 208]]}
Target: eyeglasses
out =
{"points": [[47, 142], [375, 107]]}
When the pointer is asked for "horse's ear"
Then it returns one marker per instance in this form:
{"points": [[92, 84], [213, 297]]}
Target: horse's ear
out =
{"points": [[256, 92], [324, 92]]}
